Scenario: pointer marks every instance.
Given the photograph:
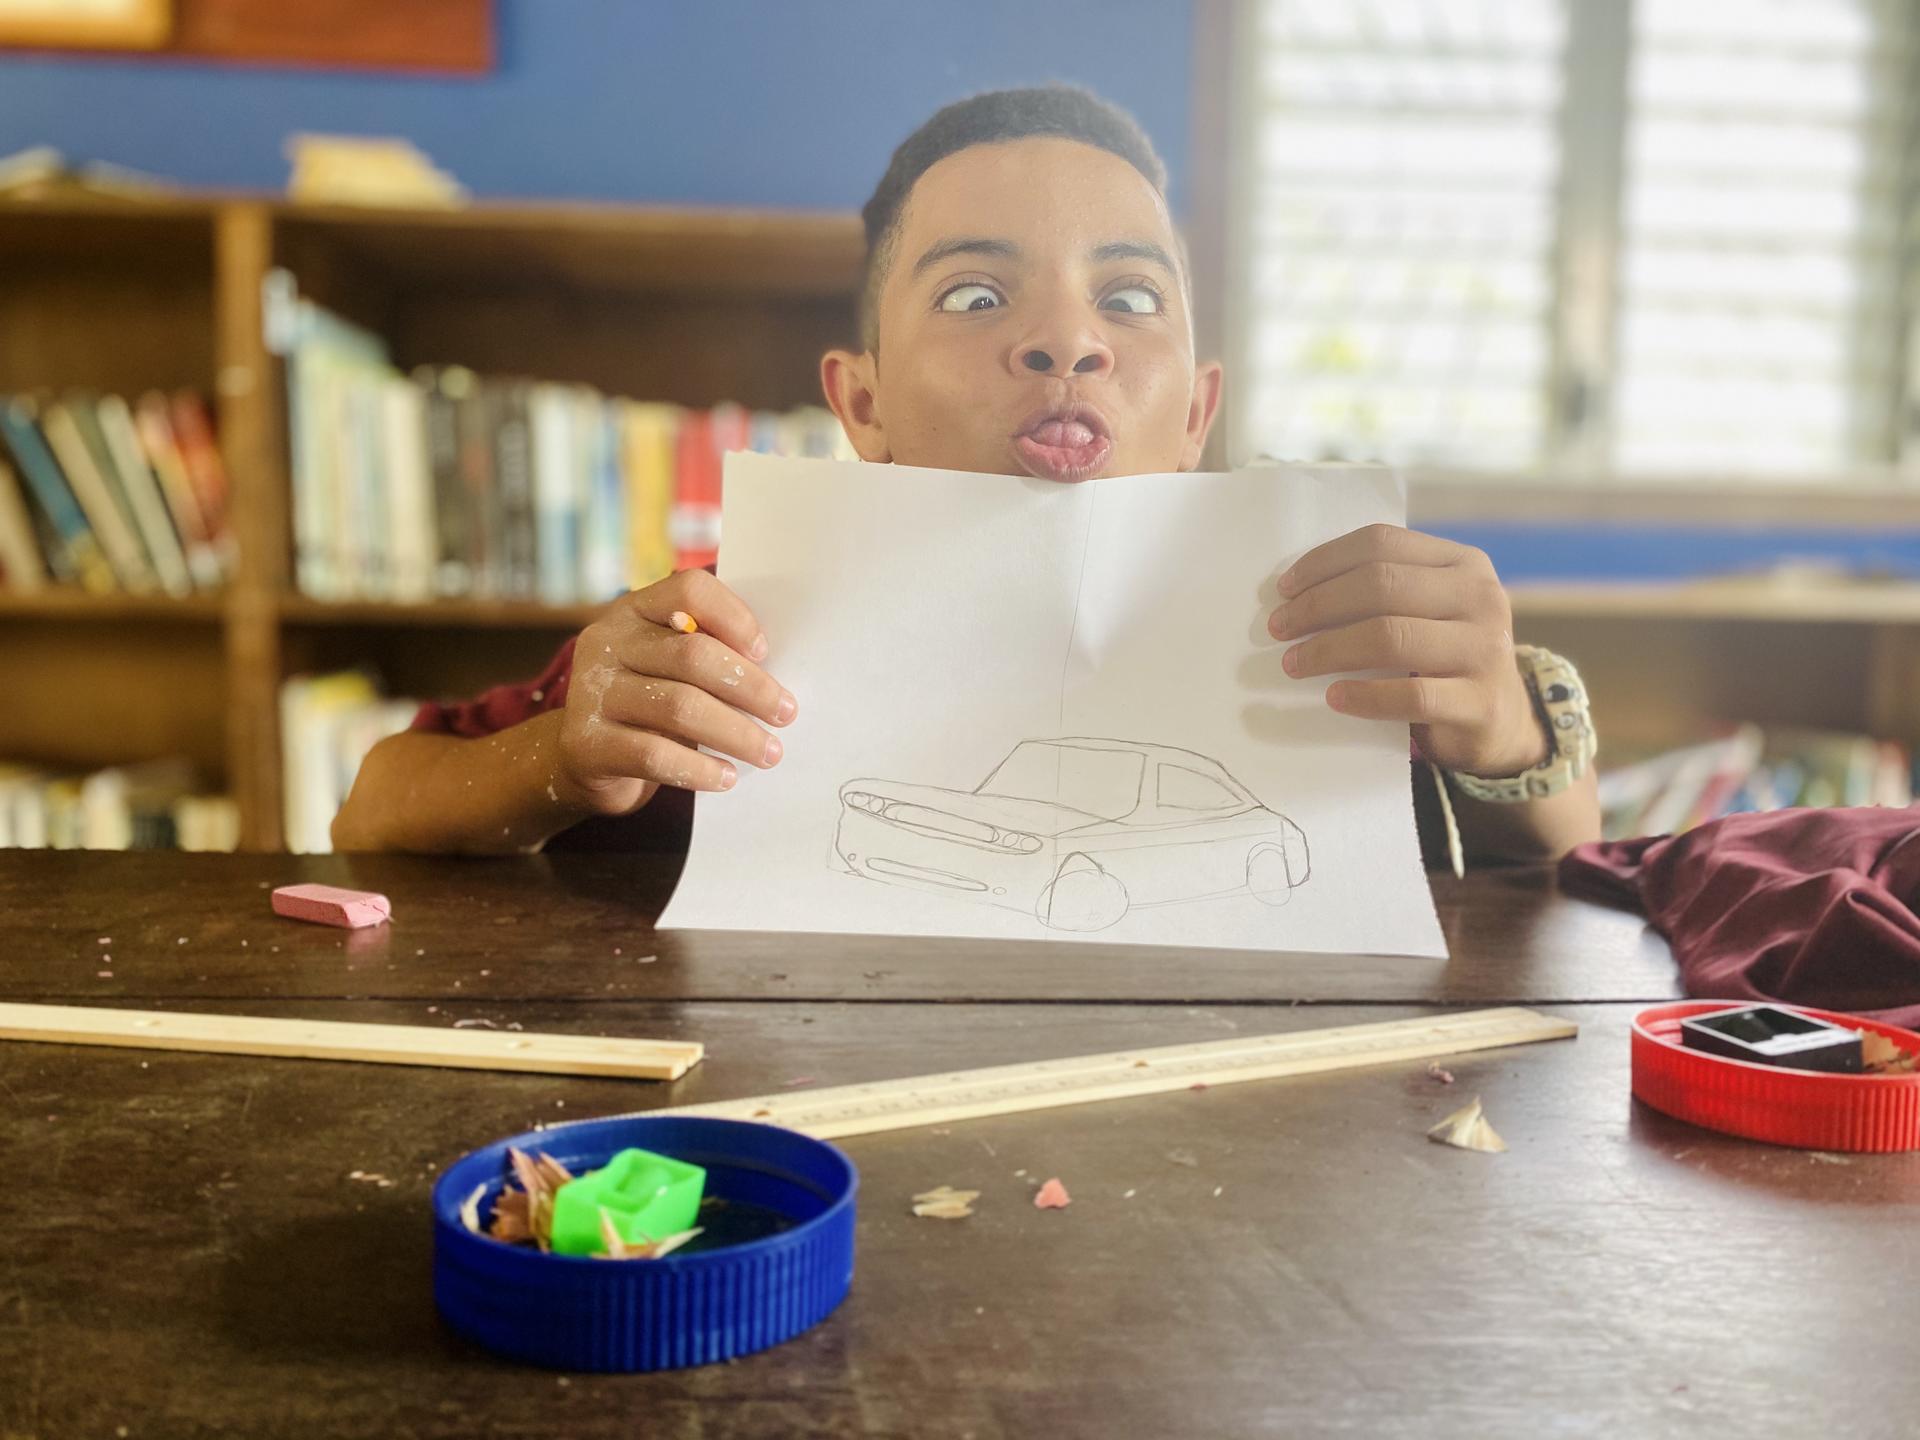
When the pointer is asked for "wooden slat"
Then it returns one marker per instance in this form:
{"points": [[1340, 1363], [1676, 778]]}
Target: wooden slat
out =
{"points": [[545, 1054], [1120, 1075]]}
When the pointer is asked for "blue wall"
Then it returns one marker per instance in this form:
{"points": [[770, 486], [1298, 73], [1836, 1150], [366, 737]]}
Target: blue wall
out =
{"points": [[724, 102]]}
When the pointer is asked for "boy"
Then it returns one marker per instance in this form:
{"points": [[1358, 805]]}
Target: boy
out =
{"points": [[1025, 311]]}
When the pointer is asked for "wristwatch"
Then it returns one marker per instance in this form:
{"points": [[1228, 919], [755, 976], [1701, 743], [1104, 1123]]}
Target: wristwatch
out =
{"points": [[1560, 700]]}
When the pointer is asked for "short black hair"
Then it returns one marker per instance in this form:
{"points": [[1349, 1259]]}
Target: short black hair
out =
{"points": [[1067, 111]]}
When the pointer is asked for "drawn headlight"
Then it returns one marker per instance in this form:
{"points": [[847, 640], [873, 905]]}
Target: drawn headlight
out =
{"points": [[861, 800], [1014, 840]]}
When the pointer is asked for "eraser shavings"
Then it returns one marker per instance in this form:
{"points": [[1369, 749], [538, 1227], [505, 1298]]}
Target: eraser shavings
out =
{"points": [[1052, 1196]]}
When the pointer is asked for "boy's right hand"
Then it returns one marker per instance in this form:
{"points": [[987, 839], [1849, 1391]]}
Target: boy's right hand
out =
{"points": [[643, 696]]}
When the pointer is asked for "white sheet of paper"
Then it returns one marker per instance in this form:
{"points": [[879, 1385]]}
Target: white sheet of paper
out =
{"points": [[1045, 711]]}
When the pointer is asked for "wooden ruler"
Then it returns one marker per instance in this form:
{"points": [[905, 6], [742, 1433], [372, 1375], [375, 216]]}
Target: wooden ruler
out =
{"points": [[1044, 1084], [338, 1040]]}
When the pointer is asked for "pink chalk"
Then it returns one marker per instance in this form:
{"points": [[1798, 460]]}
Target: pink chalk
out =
{"points": [[1052, 1196], [330, 905]]}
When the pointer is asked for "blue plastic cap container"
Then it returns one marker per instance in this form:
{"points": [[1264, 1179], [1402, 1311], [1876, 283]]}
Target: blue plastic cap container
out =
{"points": [[687, 1308]]}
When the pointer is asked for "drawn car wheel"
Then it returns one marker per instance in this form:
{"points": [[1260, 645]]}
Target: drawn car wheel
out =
{"points": [[1274, 870], [1081, 897]]}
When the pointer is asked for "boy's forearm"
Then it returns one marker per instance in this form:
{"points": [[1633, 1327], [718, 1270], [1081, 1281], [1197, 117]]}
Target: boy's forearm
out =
{"points": [[1533, 830], [444, 794]]}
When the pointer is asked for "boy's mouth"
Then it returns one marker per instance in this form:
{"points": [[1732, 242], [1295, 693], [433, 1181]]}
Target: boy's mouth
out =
{"points": [[1064, 442]]}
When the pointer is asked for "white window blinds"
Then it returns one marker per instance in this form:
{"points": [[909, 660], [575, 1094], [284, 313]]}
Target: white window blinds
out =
{"points": [[1662, 237], [1399, 226], [1759, 236]]}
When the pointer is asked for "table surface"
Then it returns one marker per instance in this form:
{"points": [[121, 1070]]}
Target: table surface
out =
{"points": [[189, 1252]]}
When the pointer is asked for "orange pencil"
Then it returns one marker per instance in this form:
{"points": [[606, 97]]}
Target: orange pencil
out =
{"points": [[683, 622]]}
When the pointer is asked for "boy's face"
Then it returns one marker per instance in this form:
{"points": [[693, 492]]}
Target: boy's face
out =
{"points": [[1033, 321]]}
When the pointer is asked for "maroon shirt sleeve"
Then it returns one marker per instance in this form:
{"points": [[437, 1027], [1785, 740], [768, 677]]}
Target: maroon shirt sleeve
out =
{"points": [[663, 824], [505, 705]]}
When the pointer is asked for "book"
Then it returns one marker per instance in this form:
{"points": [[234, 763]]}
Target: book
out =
{"points": [[153, 423], [412, 541], [453, 572], [326, 357], [518, 571], [113, 418], [21, 567], [72, 551], [193, 432], [106, 511], [557, 513], [648, 433]]}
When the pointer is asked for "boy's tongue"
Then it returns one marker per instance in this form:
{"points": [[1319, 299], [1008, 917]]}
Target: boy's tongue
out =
{"points": [[1063, 450], [1064, 434]]}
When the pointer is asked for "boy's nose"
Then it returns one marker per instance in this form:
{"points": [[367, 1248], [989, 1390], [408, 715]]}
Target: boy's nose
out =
{"points": [[1083, 357]]}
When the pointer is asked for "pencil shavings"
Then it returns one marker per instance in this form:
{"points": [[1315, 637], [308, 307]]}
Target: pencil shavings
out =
{"points": [[1437, 1071], [1052, 1196], [620, 1248], [945, 1203], [470, 1209], [525, 1216], [1467, 1129], [1884, 1056]]}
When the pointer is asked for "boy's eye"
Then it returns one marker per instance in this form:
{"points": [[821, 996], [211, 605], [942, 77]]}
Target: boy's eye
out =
{"points": [[1134, 300], [963, 298]]}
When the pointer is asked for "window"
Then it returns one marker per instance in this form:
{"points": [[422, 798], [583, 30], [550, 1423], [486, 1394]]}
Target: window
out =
{"points": [[1513, 235], [1102, 783], [1182, 789]]}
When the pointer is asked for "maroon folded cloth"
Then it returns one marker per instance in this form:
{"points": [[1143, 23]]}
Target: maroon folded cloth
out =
{"points": [[1810, 907]]}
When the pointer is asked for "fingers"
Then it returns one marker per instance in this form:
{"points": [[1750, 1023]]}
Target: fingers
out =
{"points": [[643, 755], [1398, 642], [688, 715], [1419, 700], [708, 663], [1391, 543], [714, 607], [1382, 587]]}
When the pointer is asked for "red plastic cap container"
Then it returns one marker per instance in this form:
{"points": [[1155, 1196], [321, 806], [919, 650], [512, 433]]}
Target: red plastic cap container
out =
{"points": [[1802, 1108]]}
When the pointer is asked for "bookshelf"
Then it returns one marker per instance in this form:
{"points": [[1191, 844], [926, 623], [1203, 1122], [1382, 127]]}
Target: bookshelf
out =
{"points": [[695, 308], [685, 306]]}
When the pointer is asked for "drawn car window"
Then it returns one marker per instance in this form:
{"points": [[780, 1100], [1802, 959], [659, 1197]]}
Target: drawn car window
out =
{"points": [[1101, 783], [1184, 789]]}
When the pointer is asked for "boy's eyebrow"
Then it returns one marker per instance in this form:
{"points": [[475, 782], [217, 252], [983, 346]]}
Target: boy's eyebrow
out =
{"points": [[967, 245], [1136, 250]]}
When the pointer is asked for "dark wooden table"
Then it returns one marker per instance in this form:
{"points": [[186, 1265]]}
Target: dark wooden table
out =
{"points": [[186, 1252]]}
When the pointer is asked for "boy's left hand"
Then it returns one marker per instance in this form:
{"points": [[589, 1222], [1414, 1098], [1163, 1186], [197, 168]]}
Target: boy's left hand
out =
{"points": [[1388, 598]]}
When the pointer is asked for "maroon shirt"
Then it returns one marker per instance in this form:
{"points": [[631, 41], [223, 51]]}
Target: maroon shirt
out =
{"points": [[1813, 907]]}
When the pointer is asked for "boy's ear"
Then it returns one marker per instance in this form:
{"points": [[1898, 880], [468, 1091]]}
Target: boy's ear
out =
{"points": [[851, 383], [1207, 381]]}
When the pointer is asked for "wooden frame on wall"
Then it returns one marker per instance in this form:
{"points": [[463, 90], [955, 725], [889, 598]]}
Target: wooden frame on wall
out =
{"points": [[451, 37], [87, 24]]}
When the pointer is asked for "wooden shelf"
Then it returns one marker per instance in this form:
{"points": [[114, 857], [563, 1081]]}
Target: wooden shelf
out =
{"points": [[693, 306], [462, 614], [1861, 602], [62, 603], [603, 250]]}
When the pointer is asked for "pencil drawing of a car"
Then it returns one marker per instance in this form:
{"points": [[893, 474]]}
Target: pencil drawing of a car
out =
{"points": [[1076, 832]]}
